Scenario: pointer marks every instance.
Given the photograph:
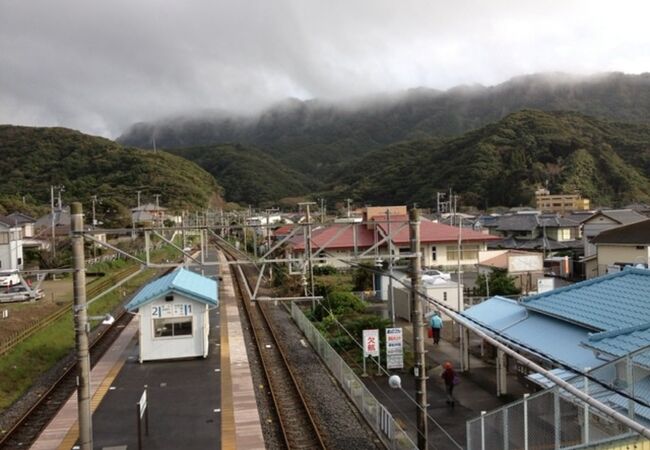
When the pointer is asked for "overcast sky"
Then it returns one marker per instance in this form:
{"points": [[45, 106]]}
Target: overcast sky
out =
{"points": [[98, 66]]}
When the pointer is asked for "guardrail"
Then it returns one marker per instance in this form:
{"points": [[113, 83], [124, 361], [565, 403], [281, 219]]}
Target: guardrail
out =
{"points": [[377, 416], [93, 288]]}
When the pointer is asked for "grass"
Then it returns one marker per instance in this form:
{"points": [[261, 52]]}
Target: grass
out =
{"points": [[20, 367]]}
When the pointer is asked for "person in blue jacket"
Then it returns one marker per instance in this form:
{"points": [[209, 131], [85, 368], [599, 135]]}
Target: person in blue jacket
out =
{"points": [[436, 326]]}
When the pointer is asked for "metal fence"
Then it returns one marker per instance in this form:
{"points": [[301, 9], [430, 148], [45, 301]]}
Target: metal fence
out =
{"points": [[393, 436], [555, 419]]}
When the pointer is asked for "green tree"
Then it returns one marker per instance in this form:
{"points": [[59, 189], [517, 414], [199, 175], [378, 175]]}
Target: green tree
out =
{"points": [[500, 283]]}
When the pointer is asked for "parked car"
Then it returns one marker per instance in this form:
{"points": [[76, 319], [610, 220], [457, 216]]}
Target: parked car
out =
{"points": [[437, 273], [9, 278]]}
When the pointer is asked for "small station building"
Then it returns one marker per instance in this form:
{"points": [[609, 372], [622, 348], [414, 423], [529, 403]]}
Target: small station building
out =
{"points": [[174, 315]]}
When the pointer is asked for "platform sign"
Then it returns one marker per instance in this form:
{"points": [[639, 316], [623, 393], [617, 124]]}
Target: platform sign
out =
{"points": [[171, 310], [370, 343], [394, 348]]}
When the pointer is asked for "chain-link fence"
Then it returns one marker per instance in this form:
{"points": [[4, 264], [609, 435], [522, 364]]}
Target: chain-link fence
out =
{"points": [[373, 411], [555, 419]]}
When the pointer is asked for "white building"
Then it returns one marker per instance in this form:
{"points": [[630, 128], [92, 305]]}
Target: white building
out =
{"points": [[11, 245], [174, 315]]}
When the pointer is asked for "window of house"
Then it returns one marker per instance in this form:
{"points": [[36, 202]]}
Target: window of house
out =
{"points": [[433, 253], [172, 326], [444, 296], [4, 238], [468, 252]]}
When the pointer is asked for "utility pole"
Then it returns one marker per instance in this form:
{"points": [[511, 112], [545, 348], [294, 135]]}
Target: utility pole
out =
{"points": [[309, 253], [61, 189], [52, 224], [417, 319], [81, 327], [139, 192], [348, 200], [460, 305], [390, 270], [94, 200], [157, 200], [322, 210]]}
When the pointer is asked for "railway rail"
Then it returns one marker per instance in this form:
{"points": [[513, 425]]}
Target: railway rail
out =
{"points": [[28, 427], [299, 426]]}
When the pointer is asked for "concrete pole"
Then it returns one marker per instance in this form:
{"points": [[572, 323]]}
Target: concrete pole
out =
{"points": [[417, 319], [391, 298], [52, 222], [81, 327], [309, 258]]}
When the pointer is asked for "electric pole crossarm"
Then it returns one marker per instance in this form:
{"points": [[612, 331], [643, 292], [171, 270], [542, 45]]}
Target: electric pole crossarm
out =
{"points": [[279, 244], [176, 247], [330, 240], [112, 247], [383, 240]]}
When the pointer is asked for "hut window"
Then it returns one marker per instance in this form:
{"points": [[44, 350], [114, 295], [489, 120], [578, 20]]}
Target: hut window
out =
{"points": [[172, 326]]}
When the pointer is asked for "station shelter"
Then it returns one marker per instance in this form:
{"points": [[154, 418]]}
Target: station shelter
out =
{"points": [[174, 315]]}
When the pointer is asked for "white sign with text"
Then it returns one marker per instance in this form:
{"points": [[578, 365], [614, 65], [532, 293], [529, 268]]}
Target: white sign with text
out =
{"points": [[394, 348], [370, 343]]}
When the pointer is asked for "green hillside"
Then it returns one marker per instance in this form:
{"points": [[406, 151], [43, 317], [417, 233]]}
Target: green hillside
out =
{"points": [[32, 159], [249, 175], [319, 138], [503, 163]]}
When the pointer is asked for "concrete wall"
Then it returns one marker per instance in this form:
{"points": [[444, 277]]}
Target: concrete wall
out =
{"points": [[154, 348], [403, 299]]}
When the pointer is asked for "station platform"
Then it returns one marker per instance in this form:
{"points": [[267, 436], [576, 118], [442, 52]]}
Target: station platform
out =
{"points": [[194, 403]]}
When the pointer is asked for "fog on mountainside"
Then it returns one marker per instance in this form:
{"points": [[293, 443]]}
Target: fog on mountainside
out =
{"points": [[318, 138]]}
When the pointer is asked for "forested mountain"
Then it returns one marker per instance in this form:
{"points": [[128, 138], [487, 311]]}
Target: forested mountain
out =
{"points": [[32, 159], [319, 138], [249, 175], [503, 163]]}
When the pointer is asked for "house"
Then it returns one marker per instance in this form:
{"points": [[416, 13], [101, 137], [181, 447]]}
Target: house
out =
{"points": [[534, 231], [525, 267], [11, 245], [174, 319], [439, 242], [614, 311], [604, 220], [148, 215], [627, 245], [23, 221], [569, 327]]}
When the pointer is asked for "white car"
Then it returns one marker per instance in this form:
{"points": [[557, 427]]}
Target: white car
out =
{"points": [[436, 273], [9, 278]]}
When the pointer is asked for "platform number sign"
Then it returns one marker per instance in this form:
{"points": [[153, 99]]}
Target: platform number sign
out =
{"points": [[168, 310]]}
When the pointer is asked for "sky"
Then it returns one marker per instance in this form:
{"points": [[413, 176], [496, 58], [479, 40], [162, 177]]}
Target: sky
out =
{"points": [[100, 66]]}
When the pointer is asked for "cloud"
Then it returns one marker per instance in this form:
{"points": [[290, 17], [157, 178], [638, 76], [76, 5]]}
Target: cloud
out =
{"points": [[100, 66]]}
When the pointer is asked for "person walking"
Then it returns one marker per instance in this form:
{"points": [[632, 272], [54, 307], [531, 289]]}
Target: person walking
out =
{"points": [[436, 327], [451, 379]]}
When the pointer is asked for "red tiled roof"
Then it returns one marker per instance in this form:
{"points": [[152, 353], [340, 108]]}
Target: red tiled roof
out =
{"points": [[430, 232], [365, 238], [284, 230]]}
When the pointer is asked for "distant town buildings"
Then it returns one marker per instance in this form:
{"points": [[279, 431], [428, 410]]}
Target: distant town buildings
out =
{"points": [[560, 203]]}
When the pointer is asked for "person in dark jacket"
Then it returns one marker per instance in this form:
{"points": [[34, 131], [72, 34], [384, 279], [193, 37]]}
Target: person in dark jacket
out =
{"points": [[451, 379]]}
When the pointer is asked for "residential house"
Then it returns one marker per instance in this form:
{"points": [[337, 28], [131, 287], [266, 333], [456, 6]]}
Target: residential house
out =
{"points": [[560, 203], [525, 267], [604, 220], [599, 327], [11, 245], [535, 231], [627, 245], [439, 243], [148, 214]]}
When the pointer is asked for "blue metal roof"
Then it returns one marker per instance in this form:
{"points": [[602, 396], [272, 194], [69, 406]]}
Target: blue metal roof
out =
{"points": [[614, 301], [621, 342], [558, 340], [181, 280]]}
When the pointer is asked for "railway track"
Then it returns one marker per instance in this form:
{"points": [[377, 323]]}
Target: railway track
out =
{"points": [[28, 427], [299, 427]]}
